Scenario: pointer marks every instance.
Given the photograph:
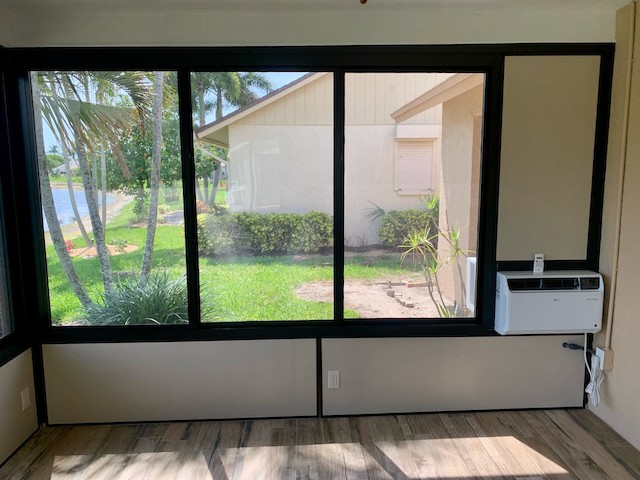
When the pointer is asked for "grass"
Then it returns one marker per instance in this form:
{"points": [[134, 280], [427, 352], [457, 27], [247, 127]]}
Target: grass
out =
{"points": [[241, 288]]}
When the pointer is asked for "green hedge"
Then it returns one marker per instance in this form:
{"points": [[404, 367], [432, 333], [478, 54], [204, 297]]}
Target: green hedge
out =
{"points": [[264, 234], [396, 226]]}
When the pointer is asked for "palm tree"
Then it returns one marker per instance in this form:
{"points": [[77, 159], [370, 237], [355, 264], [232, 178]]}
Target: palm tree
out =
{"points": [[47, 200], [60, 138], [154, 177], [84, 124]]}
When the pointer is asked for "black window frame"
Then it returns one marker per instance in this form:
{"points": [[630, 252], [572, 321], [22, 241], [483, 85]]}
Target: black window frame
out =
{"points": [[339, 60]]}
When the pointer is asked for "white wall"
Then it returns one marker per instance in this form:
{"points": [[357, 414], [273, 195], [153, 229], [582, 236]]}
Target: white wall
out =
{"points": [[381, 375], [621, 387], [134, 382], [42, 23], [546, 161], [131, 382], [15, 424]]}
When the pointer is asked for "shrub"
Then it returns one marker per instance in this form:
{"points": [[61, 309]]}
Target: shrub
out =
{"points": [[396, 226], [264, 234], [162, 209], [216, 234], [313, 232], [120, 244], [161, 300], [218, 209], [202, 207]]}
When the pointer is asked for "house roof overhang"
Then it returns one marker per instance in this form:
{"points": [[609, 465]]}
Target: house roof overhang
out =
{"points": [[450, 88], [217, 132]]}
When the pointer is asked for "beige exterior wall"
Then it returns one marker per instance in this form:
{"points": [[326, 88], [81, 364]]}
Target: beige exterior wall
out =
{"points": [[370, 98], [281, 156], [15, 424], [546, 164], [281, 168], [461, 137], [311, 104], [621, 387]]}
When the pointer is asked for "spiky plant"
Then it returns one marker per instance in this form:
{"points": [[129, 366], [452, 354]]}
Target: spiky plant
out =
{"points": [[159, 301]]}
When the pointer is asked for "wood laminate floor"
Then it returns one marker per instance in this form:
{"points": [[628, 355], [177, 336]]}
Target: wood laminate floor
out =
{"points": [[541, 444]]}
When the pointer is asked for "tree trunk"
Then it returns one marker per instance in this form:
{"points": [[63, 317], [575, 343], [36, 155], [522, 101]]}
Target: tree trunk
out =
{"points": [[91, 194], [48, 204], [217, 171], [72, 197], [199, 195], [154, 180], [205, 188], [103, 175], [216, 181], [92, 202]]}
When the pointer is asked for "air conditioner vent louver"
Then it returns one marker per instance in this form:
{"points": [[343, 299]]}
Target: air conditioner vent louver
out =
{"points": [[520, 284], [516, 284]]}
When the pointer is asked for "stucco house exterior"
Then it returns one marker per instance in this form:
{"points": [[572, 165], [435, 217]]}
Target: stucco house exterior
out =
{"points": [[281, 147], [461, 98], [406, 135]]}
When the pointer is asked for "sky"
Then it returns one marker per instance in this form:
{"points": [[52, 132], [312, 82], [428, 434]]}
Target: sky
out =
{"points": [[278, 79]]}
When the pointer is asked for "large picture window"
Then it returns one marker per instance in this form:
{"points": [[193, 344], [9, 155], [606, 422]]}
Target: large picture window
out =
{"points": [[263, 196], [242, 193]]}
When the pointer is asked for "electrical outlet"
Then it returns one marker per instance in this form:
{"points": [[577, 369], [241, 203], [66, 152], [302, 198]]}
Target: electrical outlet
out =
{"points": [[333, 379], [605, 356], [26, 399]]}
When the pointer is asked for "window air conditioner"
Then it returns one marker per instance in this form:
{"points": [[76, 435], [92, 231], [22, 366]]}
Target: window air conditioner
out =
{"points": [[553, 302], [470, 294]]}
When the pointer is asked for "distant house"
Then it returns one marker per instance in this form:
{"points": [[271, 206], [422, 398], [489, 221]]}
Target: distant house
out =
{"points": [[61, 170], [281, 148], [461, 98]]}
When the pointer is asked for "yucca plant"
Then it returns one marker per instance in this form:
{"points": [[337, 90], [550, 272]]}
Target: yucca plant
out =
{"points": [[422, 247], [160, 300]]}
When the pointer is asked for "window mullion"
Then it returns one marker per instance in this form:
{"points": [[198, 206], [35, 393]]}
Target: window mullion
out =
{"points": [[338, 193], [189, 195]]}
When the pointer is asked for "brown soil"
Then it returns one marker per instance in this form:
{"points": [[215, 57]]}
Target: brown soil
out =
{"points": [[370, 299], [91, 252]]}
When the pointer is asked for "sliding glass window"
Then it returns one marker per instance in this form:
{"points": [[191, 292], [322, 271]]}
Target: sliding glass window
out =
{"points": [[412, 178], [263, 152], [110, 169]]}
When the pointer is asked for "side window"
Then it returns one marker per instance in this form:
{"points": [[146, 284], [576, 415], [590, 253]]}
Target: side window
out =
{"points": [[6, 326]]}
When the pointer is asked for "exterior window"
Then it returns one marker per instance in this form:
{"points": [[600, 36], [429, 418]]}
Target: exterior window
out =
{"points": [[110, 171], [264, 188], [412, 173]]}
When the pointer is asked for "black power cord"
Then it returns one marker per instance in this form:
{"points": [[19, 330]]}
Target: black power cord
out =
{"points": [[575, 346]]}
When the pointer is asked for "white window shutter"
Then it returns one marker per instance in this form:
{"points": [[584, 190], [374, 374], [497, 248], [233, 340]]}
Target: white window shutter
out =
{"points": [[414, 167]]}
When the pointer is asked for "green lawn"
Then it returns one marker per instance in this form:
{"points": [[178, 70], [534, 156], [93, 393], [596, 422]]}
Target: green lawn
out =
{"points": [[238, 289]]}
